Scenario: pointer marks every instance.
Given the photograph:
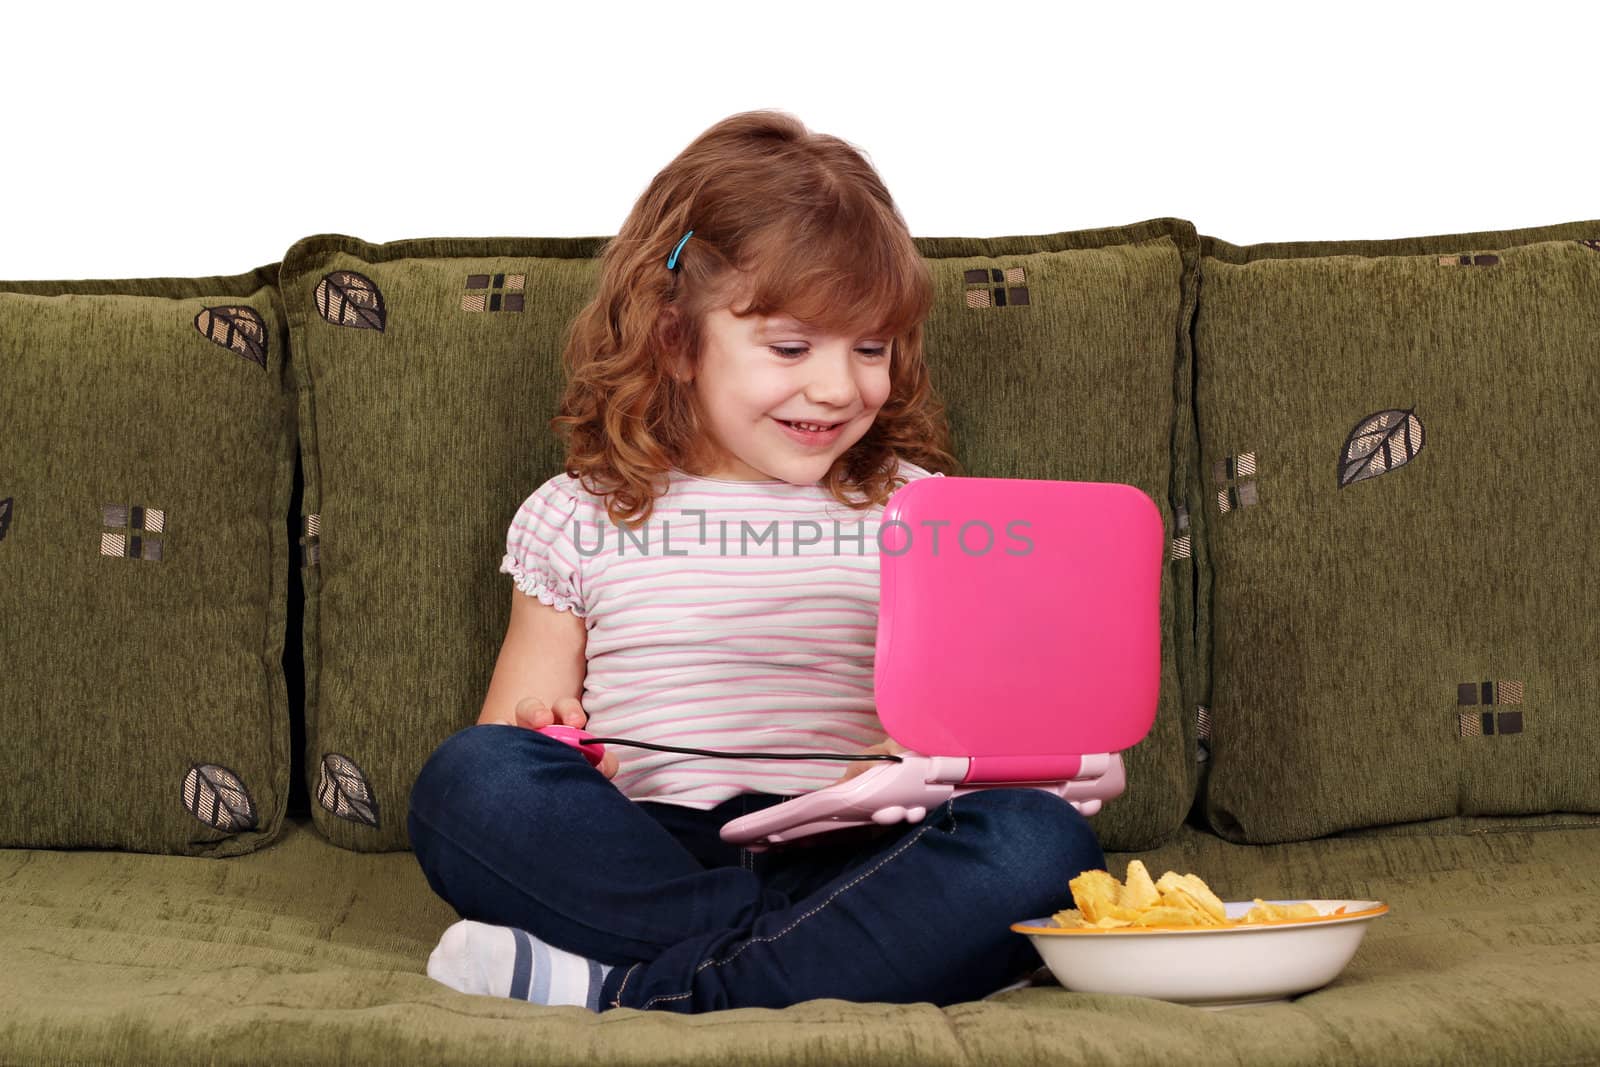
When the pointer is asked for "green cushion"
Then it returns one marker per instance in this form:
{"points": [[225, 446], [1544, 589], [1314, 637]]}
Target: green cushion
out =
{"points": [[424, 424], [146, 459], [1087, 381], [306, 953], [429, 369], [1398, 448]]}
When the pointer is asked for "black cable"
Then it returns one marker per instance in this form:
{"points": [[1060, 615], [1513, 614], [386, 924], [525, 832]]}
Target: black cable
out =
{"points": [[728, 755]]}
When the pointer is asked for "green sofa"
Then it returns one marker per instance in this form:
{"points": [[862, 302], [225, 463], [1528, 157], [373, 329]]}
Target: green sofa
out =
{"points": [[249, 530]]}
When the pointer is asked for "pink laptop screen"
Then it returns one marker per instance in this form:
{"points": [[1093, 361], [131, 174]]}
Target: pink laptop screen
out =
{"points": [[1018, 616]]}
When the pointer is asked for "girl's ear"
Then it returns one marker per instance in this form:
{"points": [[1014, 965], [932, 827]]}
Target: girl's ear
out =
{"points": [[670, 343]]}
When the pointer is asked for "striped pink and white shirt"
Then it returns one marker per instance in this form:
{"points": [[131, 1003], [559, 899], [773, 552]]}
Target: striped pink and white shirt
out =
{"points": [[742, 616]]}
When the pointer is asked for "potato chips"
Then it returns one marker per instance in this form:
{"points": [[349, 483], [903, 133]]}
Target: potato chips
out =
{"points": [[1174, 900], [1266, 913]]}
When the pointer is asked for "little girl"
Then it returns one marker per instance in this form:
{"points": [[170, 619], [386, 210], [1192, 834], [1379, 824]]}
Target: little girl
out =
{"points": [[743, 395]]}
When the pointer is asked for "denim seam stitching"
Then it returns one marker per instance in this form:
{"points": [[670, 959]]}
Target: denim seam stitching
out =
{"points": [[835, 895], [616, 1001]]}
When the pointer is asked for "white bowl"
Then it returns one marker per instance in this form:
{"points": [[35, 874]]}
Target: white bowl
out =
{"points": [[1208, 967]]}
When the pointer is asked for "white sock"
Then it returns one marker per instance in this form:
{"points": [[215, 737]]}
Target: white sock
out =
{"points": [[503, 961]]}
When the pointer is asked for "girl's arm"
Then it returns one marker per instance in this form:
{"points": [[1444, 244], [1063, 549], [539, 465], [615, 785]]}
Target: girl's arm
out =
{"points": [[542, 657], [538, 679]]}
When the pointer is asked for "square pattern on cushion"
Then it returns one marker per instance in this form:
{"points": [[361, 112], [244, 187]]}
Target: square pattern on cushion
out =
{"points": [[429, 370], [1397, 443], [146, 462]]}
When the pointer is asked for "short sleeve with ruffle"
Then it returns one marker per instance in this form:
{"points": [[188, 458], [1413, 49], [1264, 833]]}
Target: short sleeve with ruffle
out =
{"points": [[540, 554]]}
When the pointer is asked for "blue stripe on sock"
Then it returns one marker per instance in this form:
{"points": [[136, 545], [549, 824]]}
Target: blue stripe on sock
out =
{"points": [[543, 965], [520, 969], [597, 975]]}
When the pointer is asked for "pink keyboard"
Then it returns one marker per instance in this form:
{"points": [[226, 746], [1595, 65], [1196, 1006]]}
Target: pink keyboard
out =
{"points": [[905, 792]]}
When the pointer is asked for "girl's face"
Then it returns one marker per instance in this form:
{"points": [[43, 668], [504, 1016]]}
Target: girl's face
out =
{"points": [[758, 373]]}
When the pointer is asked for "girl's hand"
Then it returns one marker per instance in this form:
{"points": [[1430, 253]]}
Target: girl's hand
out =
{"points": [[532, 714], [887, 746]]}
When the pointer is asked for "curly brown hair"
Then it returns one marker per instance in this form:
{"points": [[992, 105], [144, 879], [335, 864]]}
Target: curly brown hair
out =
{"points": [[791, 220]]}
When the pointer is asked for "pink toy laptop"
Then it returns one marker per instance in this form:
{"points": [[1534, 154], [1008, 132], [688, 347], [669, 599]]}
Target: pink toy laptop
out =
{"points": [[1018, 645]]}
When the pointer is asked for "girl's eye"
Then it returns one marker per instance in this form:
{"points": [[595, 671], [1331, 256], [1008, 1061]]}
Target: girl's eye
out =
{"points": [[794, 353]]}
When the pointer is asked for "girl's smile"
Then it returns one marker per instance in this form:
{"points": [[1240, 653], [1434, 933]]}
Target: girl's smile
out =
{"points": [[809, 437]]}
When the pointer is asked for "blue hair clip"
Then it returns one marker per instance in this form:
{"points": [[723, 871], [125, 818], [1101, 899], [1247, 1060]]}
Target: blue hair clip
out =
{"points": [[672, 260]]}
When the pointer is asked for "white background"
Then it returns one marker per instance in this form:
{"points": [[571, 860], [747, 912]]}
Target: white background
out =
{"points": [[147, 140]]}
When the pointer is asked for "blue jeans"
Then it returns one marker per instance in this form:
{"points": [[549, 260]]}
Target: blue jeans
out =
{"points": [[516, 829]]}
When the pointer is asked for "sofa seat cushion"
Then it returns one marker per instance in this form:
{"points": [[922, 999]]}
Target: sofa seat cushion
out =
{"points": [[304, 952]]}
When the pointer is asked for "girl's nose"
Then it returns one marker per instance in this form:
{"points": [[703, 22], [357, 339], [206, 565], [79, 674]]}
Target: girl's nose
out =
{"points": [[831, 381]]}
